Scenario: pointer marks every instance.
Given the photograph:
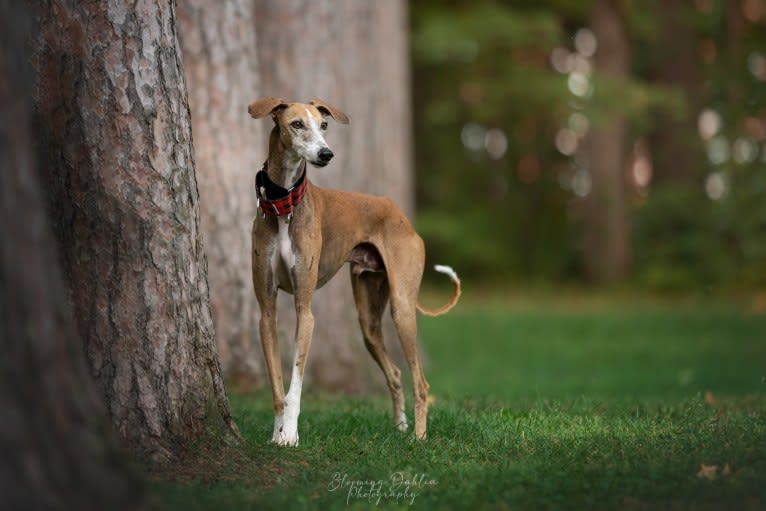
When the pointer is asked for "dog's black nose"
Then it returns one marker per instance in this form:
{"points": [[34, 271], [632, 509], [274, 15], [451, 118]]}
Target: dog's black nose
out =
{"points": [[325, 155]]}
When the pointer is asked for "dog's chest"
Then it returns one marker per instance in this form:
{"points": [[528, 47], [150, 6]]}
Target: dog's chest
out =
{"points": [[283, 256]]}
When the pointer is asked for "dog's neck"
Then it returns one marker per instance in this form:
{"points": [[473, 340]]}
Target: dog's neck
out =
{"points": [[283, 165]]}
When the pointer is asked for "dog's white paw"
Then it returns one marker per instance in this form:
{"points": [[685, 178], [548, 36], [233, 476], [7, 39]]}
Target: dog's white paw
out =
{"points": [[285, 431], [401, 423], [286, 440]]}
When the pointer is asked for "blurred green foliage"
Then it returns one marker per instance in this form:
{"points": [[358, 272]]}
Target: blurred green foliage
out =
{"points": [[496, 197]]}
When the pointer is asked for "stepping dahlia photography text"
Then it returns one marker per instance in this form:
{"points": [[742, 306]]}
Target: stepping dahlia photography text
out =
{"points": [[398, 487]]}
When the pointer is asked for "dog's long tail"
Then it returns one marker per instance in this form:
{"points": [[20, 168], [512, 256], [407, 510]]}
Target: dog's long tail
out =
{"points": [[444, 309]]}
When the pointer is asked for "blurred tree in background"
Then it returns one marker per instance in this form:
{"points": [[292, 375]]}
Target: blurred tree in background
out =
{"points": [[561, 140]]}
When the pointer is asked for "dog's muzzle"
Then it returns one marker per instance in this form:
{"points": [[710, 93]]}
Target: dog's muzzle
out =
{"points": [[324, 156]]}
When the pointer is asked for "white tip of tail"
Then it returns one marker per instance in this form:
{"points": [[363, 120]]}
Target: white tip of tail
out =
{"points": [[455, 296], [447, 270]]}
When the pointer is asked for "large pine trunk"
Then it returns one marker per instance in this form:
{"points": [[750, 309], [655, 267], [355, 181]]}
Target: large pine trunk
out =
{"points": [[115, 134], [353, 54], [54, 452], [607, 240], [220, 64]]}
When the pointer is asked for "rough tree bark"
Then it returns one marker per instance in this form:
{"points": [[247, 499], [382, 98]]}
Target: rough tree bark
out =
{"points": [[54, 452], [114, 131], [354, 54], [220, 64], [607, 241]]}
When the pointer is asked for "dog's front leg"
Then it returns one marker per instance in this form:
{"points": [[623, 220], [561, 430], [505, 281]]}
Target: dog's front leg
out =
{"points": [[270, 342], [303, 332], [264, 282]]}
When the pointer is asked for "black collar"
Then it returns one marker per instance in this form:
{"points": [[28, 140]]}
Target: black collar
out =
{"points": [[267, 189], [277, 201]]}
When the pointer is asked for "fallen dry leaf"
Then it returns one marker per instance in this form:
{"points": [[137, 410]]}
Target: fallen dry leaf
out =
{"points": [[707, 471]]}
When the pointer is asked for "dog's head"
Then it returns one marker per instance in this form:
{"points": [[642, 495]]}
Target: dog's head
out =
{"points": [[302, 126]]}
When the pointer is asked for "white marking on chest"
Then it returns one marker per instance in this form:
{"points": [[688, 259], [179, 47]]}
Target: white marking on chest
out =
{"points": [[284, 250]]}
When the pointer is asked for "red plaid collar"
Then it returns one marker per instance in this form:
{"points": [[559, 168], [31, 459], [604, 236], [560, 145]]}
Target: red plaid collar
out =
{"points": [[275, 200]]}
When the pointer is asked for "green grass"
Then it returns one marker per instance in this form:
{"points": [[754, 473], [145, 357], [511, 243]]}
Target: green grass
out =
{"points": [[535, 408]]}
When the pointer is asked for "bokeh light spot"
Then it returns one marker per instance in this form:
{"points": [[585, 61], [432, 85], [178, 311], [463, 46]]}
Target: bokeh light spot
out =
{"points": [[716, 186], [496, 143], [579, 124], [753, 10], [581, 183], [744, 150], [718, 150], [578, 84], [566, 141], [708, 123], [585, 42], [560, 60], [756, 63], [642, 171], [472, 136]]}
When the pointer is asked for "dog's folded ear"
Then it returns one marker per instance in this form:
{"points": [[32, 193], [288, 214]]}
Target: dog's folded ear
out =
{"points": [[330, 110], [265, 106]]}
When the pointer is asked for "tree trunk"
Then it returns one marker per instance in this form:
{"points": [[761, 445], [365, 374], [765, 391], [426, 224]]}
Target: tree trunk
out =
{"points": [[220, 66], [114, 130], [354, 54], [54, 452], [677, 151], [607, 242]]}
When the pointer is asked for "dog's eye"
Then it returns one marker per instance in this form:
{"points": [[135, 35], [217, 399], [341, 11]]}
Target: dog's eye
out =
{"points": [[323, 125], [298, 125]]}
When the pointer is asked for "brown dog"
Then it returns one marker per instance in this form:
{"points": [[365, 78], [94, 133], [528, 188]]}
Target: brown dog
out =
{"points": [[306, 234]]}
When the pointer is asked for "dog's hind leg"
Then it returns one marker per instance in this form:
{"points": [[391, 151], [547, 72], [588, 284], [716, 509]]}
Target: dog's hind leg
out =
{"points": [[371, 296], [403, 312], [405, 270]]}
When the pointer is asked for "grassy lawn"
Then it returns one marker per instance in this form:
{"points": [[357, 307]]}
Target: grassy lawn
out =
{"points": [[536, 407]]}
